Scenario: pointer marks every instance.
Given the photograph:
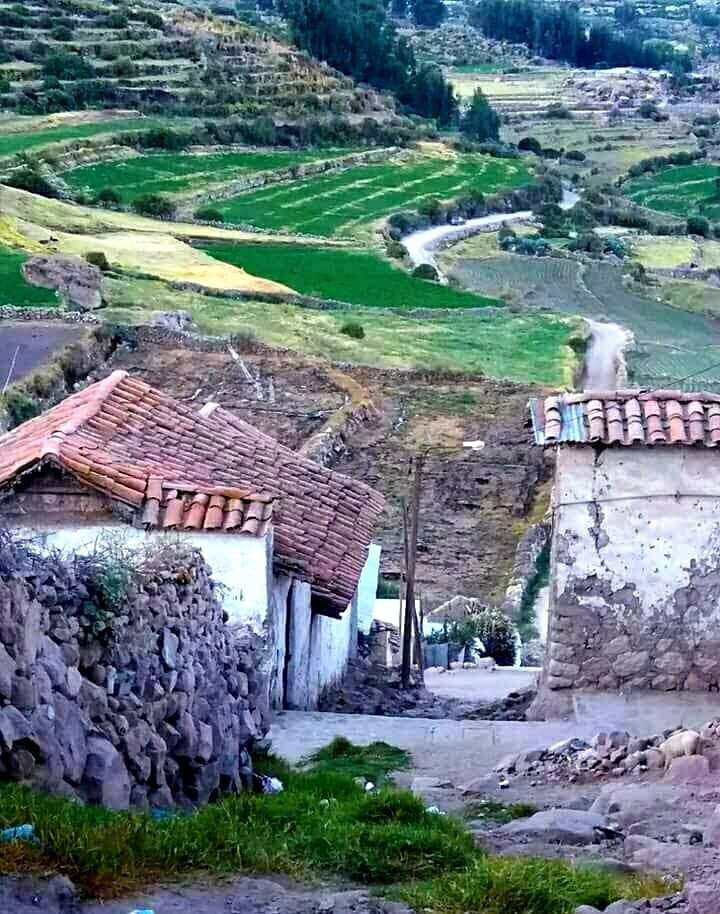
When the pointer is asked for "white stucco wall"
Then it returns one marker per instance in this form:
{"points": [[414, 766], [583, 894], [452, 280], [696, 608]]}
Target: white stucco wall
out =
{"points": [[635, 568], [330, 641], [367, 589], [242, 564]]}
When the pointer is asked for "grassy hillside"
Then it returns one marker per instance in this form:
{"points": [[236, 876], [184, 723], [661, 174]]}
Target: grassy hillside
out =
{"points": [[14, 290]]}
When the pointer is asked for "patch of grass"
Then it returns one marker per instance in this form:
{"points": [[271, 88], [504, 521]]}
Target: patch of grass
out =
{"points": [[501, 813], [348, 275], [500, 885], [14, 290], [373, 762], [22, 141], [322, 824], [681, 190]]}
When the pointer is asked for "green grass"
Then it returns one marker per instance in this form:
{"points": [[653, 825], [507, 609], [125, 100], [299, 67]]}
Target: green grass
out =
{"points": [[13, 143], [373, 762], [326, 204], [475, 68], [683, 190], [525, 346], [14, 290], [322, 824], [353, 276], [175, 172], [501, 813]]}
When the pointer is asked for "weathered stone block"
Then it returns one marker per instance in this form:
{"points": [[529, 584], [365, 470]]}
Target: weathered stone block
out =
{"points": [[631, 663]]}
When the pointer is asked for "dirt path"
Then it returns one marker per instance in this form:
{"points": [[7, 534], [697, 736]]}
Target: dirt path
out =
{"points": [[604, 359]]}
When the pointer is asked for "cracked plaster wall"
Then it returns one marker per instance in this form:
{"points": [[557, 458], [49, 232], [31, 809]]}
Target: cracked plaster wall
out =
{"points": [[635, 569]]}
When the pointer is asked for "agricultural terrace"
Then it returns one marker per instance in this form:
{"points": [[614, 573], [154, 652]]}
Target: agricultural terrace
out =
{"points": [[353, 276], [14, 290], [529, 347], [531, 90], [683, 191], [670, 344], [16, 141], [340, 202], [174, 173]]}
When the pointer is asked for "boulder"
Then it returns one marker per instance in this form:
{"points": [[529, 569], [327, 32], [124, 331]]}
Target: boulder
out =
{"points": [[562, 826], [635, 802], [106, 779], [171, 320], [78, 283], [691, 769]]}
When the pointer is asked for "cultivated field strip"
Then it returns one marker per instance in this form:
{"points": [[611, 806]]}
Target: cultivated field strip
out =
{"points": [[326, 204], [12, 143], [174, 172], [683, 191]]}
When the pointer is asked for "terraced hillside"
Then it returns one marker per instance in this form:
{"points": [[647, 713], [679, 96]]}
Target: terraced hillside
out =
{"points": [[167, 59], [338, 203], [683, 191]]}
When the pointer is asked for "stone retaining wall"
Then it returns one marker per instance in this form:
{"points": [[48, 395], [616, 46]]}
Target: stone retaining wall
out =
{"points": [[149, 700]]}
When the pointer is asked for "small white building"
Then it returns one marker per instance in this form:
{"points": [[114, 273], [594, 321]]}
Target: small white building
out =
{"points": [[635, 550], [288, 539]]}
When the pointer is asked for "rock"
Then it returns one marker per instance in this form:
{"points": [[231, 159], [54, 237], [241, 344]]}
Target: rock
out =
{"points": [[106, 779], [8, 668], [692, 769], [619, 907], [13, 728], [421, 784], [702, 897], [171, 320], [170, 644], [78, 283], [634, 802], [566, 826], [587, 909]]}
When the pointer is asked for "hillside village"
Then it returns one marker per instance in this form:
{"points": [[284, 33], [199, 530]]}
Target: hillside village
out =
{"points": [[359, 405]]}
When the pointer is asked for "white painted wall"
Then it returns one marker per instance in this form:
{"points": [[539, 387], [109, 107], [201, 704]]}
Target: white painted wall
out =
{"points": [[660, 519], [330, 641], [242, 564], [367, 589]]}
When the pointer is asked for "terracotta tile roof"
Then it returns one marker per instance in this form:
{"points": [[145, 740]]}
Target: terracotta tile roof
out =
{"points": [[183, 470], [627, 418]]}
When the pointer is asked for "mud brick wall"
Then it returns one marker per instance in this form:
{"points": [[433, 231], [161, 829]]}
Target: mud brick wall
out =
{"points": [[635, 570], [155, 702]]}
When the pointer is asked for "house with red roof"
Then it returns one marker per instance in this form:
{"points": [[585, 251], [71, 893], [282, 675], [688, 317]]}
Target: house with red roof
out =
{"points": [[635, 544], [289, 540]]}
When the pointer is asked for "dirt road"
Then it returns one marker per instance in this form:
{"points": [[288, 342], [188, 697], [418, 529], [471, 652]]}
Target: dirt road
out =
{"points": [[604, 359]]}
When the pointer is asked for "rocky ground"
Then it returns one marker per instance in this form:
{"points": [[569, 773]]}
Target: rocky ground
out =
{"points": [[29, 895], [610, 801], [369, 688]]}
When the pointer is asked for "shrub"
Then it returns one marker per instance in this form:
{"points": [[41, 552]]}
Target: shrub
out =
{"points": [[354, 330], [530, 144], [67, 66], [108, 196], [698, 225], [98, 259], [426, 271], [575, 155], [558, 111], [20, 406], [396, 250], [61, 33], [208, 214], [30, 179], [154, 205]]}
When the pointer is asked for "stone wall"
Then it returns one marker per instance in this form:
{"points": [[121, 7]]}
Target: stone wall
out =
{"points": [[125, 688], [635, 570]]}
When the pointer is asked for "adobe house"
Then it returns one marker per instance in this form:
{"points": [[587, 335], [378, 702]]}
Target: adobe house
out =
{"points": [[289, 540], [635, 548]]}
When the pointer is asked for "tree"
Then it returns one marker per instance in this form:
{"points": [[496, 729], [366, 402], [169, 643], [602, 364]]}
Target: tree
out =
{"points": [[428, 13], [154, 205], [399, 8], [480, 121], [626, 13], [698, 225]]}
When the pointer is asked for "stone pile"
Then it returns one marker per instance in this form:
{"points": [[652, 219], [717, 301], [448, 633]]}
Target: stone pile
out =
{"points": [[125, 689], [614, 754]]}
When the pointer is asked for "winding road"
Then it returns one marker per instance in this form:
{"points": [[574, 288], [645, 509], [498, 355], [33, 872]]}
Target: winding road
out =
{"points": [[604, 358]]}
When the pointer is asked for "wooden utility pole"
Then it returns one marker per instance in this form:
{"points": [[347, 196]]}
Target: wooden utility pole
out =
{"points": [[411, 538]]}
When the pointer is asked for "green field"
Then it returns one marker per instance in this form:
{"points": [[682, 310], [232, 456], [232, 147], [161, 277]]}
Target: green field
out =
{"points": [[353, 276], [13, 289], [683, 191], [175, 172], [326, 204], [22, 141], [526, 347]]}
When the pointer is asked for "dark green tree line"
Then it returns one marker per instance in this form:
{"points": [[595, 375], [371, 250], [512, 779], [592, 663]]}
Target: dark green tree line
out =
{"points": [[560, 33], [358, 38]]}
